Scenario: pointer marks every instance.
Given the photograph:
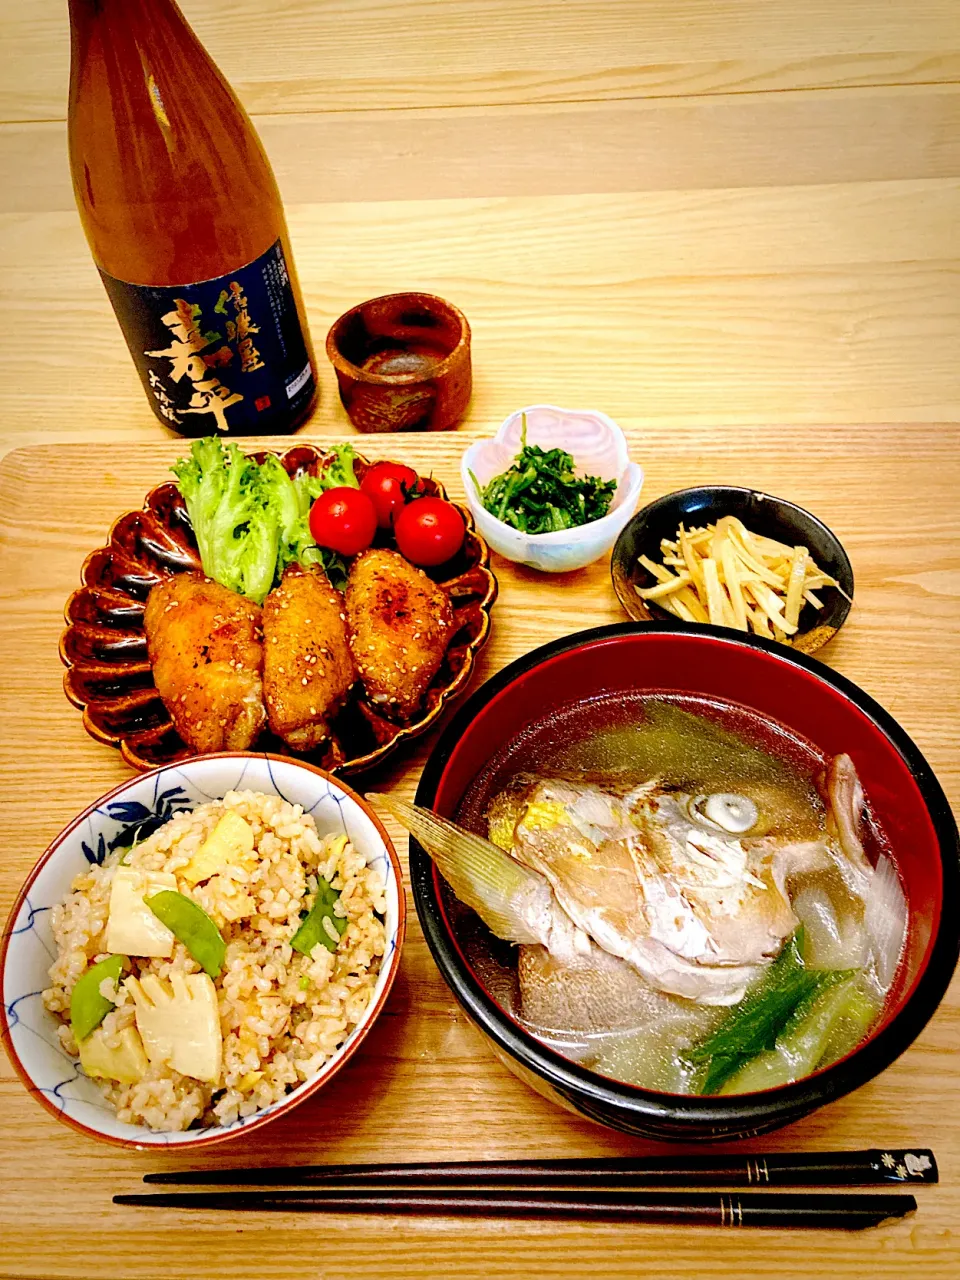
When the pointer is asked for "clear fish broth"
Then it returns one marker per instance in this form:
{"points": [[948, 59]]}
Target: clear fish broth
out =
{"points": [[696, 746]]}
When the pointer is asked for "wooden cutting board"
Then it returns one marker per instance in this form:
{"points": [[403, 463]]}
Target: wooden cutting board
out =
{"points": [[424, 1086]]}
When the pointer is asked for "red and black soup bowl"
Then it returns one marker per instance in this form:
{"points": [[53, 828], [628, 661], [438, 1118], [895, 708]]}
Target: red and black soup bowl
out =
{"points": [[576, 682]]}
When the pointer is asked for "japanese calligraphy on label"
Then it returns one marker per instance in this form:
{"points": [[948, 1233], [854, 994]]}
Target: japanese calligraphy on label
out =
{"points": [[221, 355]]}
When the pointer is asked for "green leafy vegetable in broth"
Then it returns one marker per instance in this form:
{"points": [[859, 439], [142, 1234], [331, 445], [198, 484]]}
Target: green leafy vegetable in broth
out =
{"points": [[541, 493], [853, 1020], [250, 519], [88, 1007], [806, 1038], [313, 927], [778, 1006], [189, 922]]}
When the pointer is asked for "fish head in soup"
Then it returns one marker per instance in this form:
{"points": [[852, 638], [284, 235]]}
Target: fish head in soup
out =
{"points": [[676, 885], [662, 899]]}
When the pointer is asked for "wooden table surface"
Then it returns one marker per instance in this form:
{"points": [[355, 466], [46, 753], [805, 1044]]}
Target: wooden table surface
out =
{"points": [[734, 225]]}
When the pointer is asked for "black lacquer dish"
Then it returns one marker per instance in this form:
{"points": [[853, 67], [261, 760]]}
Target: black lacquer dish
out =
{"points": [[762, 514]]}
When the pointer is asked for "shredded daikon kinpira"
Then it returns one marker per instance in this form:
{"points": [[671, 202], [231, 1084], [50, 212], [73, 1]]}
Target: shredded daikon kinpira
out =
{"points": [[726, 575]]}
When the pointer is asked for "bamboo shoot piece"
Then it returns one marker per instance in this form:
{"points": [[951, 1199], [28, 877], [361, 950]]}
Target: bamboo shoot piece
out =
{"points": [[798, 571]]}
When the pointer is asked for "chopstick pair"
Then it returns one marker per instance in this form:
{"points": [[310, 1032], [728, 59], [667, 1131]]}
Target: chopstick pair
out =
{"points": [[750, 1209], [521, 1188]]}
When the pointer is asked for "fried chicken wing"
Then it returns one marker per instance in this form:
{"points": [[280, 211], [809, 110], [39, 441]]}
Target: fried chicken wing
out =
{"points": [[400, 625], [308, 669], [205, 648]]}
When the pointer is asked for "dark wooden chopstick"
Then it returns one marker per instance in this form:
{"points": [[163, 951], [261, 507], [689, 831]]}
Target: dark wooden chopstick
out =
{"points": [[780, 1169], [748, 1209]]}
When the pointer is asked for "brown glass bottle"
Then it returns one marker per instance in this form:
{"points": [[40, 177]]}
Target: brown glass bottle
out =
{"points": [[185, 223]]}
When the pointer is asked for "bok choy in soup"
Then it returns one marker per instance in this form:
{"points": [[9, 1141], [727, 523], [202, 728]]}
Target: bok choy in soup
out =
{"points": [[695, 907]]}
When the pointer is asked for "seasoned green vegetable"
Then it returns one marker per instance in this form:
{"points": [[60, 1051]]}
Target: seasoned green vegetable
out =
{"points": [[88, 1007], [312, 928], [778, 1004], [191, 924], [250, 519], [541, 493]]}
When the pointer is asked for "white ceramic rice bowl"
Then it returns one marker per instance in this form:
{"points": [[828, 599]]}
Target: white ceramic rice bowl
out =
{"points": [[28, 948]]}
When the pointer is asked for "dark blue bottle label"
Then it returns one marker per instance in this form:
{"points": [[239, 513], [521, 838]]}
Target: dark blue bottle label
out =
{"points": [[223, 355]]}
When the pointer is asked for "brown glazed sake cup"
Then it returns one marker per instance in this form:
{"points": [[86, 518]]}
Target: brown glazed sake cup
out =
{"points": [[402, 362]]}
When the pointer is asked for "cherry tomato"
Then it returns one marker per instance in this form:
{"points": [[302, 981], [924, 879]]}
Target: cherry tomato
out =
{"points": [[429, 531], [343, 519], [388, 485]]}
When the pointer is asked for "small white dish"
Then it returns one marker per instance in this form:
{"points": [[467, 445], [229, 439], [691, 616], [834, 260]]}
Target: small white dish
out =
{"points": [[598, 447], [30, 1032]]}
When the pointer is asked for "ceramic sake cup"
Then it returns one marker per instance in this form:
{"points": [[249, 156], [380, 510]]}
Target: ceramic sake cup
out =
{"points": [[402, 363]]}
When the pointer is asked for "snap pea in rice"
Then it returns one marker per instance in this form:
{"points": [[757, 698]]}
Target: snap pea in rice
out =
{"points": [[282, 1014]]}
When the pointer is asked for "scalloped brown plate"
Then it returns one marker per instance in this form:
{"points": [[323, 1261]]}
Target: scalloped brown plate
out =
{"points": [[104, 647]]}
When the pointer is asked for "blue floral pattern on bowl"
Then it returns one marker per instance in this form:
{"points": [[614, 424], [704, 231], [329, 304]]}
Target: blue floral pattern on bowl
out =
{"points": [[130, 813]]}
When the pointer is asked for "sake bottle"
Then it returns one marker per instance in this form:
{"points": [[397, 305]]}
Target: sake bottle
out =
{"points": [[183, 216]]}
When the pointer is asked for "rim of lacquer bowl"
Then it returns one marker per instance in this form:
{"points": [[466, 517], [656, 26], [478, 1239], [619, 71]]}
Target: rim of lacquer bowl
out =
{"points": [[771, 1107], [285, 1104]]}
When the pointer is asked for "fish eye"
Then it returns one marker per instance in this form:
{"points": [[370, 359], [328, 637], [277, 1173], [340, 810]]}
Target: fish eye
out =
{"points": [[724, 811]]}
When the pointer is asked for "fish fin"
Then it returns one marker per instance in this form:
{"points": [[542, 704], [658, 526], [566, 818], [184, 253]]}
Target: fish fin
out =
{"points": [[480, 874]]}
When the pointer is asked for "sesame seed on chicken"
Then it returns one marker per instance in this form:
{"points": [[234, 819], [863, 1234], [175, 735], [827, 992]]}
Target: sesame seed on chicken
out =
{"points": [[308, 670], [396, 617]]}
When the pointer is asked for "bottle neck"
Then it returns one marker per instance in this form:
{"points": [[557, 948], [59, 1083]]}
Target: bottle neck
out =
{"points": [[131, 26], [171, 181], [144, 25]]}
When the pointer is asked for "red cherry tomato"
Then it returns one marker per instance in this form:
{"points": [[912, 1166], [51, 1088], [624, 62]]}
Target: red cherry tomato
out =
{"points": [[343, 519], [388, 484], [429, 531]]}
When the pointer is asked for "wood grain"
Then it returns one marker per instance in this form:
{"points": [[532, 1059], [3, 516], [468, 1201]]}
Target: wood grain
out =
{"points": [[652, 144], [703, 218], [835, 303], [424, 1085], [369, 54]]}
